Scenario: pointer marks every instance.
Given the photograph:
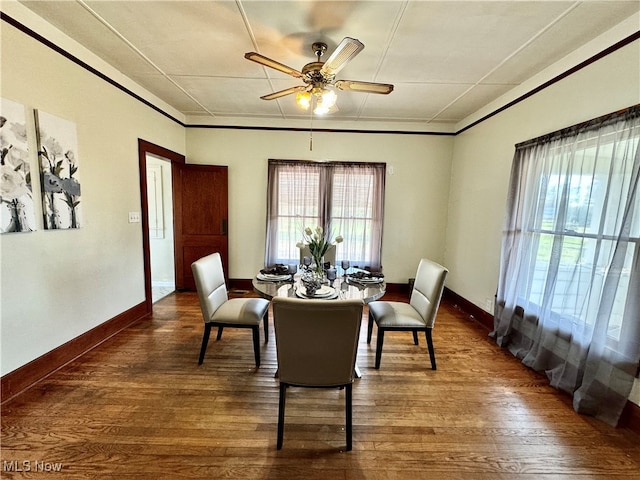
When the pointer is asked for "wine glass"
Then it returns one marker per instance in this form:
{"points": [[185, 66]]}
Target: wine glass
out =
{"points": [[331, 275], [293, 269], [345, 266], [306, 261]]}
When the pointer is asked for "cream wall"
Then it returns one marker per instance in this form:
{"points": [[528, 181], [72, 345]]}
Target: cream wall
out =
{"points": [[56, 285], [417, 187]]}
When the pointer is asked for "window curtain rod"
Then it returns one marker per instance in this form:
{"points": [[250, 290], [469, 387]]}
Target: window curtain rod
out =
{"points": [[273, 161], [629, 112]]}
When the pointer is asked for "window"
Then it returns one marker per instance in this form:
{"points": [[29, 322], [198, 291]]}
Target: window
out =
{"points": [[573, 233], [569, 288], [343, 198]]}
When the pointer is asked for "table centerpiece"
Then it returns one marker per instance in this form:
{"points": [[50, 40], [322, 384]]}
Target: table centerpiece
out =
{"points": [[318, 243]]}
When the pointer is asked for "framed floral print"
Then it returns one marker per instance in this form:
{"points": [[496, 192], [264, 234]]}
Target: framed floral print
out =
{"points": [[58, 158], [16, 195]]}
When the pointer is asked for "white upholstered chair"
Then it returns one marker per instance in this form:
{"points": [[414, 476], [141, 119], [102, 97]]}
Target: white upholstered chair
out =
{"points": [[416, 316], [220, 311], [316, 344], [329, 256]]}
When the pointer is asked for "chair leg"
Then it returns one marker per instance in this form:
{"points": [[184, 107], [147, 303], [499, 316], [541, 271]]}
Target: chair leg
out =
{"points": [[281, 403], [205, 342], [266, 327], [349, 415], [219, 336], [415, 337], [370, 328], [432, 354], [379, 346], [256, 343]]}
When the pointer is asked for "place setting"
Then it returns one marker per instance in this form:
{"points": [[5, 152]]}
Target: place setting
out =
{"points": [[277, 273], [325, 292], [360, 276], [313, 285]]}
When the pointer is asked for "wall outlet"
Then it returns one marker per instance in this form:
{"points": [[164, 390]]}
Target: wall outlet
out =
{"points": [[134, 217], [488, 304]]}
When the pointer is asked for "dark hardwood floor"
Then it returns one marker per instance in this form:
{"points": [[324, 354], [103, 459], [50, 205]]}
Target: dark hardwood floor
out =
{"points": [[139, 407]]}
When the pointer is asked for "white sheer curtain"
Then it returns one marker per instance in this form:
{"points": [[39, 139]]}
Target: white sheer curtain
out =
{"points": [[568, 300], [356, 203], [345, 198]]}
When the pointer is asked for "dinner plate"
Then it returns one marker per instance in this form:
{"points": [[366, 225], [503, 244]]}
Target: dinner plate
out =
{"points": [[269, 277], [372, 280], [324, 292]]}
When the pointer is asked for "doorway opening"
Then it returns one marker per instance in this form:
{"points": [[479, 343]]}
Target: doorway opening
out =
{"points": [[160, 210], [152, 154]]}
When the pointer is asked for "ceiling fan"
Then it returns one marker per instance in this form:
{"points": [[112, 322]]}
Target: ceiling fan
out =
{"points": [[319, 77]]}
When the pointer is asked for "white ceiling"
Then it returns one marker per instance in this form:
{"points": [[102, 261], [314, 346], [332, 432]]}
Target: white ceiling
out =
{"points": [[446, 59]]}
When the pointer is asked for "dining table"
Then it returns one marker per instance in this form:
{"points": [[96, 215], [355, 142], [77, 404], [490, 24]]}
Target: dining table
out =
{"points": [[354, 284]]}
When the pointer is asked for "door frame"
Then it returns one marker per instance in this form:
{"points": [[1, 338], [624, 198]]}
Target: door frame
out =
{"points": [[145, 147]]}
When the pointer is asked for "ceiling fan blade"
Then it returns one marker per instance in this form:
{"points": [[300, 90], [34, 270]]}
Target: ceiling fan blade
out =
{"points": [[368, 87], [282, 93], [344, 52], [267, 62]]}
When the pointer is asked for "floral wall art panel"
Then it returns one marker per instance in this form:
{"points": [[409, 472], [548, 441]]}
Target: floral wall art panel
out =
{"points": [[58, 157], [16, 195]]}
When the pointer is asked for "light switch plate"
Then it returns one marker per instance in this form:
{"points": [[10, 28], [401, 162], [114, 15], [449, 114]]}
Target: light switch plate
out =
{"points": [[134, 217]]}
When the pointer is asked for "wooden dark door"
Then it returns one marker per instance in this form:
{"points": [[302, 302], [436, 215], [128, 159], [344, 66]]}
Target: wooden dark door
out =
{"points": [[200, 197]]}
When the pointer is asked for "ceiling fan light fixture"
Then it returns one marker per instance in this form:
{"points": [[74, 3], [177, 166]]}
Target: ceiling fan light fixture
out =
{"points": [[322, 110], [319, 77], [326, 100], [303, 99]]}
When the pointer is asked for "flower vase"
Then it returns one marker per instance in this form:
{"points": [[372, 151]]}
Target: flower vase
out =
{"points": [[319, 266]]}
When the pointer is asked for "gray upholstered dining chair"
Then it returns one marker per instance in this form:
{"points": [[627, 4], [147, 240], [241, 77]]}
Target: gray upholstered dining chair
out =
{"points": [[220, 311], [418, 315], [329, 256], [316, 344]]}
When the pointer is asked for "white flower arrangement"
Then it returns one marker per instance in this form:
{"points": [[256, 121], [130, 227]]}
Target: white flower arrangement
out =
{"points": [[318, 242]]}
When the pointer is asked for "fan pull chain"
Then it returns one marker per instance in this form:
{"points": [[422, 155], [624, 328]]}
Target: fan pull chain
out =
{"points": [[311, 128]]}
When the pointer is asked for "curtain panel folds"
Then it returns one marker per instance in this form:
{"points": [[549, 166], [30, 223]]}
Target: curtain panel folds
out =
{"points": [[344, 198], [568, 299]]}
